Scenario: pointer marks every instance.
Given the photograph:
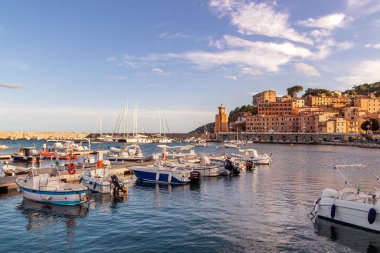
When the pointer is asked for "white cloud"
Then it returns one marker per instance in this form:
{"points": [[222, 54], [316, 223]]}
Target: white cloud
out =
{"points": [[328, 22], [375, 46], [247, 54], [365, 72], [177, 35], [320, 33], [363, 7], [11, 85], [306, 69], [119, 77], [160, 72], [345, 45], [258, 18], [232, 77]]}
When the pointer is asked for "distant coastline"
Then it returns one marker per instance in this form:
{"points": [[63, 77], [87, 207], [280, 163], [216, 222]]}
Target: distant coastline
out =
{"points": [[40, 135]]}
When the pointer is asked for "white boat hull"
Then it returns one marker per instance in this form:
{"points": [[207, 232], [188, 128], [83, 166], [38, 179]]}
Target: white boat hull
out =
{"points": [[100, 185], [349, 212], [54, 197]]}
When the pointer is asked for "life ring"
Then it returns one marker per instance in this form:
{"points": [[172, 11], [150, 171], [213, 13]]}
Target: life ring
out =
{"points": [[72, 169]]}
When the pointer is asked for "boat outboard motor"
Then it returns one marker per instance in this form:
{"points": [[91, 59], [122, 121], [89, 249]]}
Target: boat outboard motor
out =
{"points": [[195, 177], [117, 187], [230, 167], [249, 165]]}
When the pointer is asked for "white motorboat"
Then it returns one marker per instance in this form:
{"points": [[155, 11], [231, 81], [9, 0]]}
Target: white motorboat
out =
{"points": [[48, 188], [205, 167], [100, 180], [130, 153], [251, 155], [176, 152], [356, 205]]}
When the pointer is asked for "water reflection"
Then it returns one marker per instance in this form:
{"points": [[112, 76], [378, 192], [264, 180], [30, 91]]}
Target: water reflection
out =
{"points": [[356, 239], [40, 216], [106, 201]]}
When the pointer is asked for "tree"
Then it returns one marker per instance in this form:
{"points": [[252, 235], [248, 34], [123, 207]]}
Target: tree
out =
{"points": [[293, 91], [370, 125], [317, 92]]}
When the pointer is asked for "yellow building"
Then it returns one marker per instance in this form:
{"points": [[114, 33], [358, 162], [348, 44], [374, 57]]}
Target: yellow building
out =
{"points": [[370, 104], [325, 101], [335, 125], [264, 97], [221, 120]]}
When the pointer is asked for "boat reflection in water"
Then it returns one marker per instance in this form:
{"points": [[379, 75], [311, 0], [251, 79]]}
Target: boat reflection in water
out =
{"points": [[354, 238], [40, 215]]}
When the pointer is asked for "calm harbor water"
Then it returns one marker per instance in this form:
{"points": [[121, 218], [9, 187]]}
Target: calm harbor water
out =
{"points": [[263, 211]]}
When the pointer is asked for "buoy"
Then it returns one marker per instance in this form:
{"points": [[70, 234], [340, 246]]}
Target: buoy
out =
{"points": [[333, 209], [72, 169], [371, 215]]}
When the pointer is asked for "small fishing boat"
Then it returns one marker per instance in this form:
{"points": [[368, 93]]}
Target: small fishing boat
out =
{"points": [[100, 180], [48, 188], [252, 155], [356, 205], [12, 170], [25, 154], [160, 173]]}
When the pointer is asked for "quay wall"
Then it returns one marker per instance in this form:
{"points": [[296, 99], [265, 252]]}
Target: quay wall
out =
{"points": [[292, 137]]}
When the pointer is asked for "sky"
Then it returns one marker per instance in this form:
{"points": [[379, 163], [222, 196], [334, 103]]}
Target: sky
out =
{"points": [[64, 65]]}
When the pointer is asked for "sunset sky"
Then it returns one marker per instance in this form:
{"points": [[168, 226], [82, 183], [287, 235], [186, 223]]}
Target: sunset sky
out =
{"points": [[65, 63]]}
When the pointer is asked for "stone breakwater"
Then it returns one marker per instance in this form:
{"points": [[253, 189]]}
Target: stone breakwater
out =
{"points": [[41, 135]]}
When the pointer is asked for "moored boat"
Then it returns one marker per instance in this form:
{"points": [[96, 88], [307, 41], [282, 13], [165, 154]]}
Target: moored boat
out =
{"points": [[25, 154], [355, 205], [130, 153], [252, 155], [159, 173], [48, 188], [13, 170], [100, 180]]}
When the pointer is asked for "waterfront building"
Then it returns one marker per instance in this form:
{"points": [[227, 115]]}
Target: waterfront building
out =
{"points": [[327, 101], [369, 104], [353, 112], [284, 123], [221, 120]]}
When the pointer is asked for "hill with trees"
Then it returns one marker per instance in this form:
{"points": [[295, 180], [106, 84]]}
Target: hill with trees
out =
{"points": [[365, 89]]}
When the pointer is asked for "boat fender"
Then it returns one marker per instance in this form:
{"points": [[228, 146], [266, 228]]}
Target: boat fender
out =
{"points": [[80, 180], [169, 177], [371, 215], [333, 209], [94, 186]]}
